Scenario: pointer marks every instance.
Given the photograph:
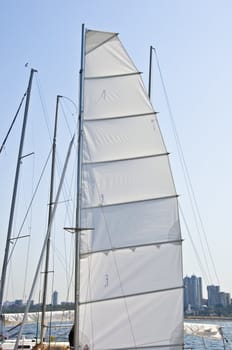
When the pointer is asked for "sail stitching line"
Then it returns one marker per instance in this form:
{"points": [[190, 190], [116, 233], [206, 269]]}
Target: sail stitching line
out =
{"points": [[120, 279], [131, 247], [133, 295], [121, 116], [113, 76], [126, 159], [102, 43], [131, 202], [107, 232], [115, 261]]}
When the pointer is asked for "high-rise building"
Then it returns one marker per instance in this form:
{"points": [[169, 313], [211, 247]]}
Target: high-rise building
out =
{"points": [[55, 298], [224, 299], [213, 295], [192, 292], [228, 299]]}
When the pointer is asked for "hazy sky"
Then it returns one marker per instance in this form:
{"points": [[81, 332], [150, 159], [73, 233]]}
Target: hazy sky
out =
{"points": [[194, 46]]}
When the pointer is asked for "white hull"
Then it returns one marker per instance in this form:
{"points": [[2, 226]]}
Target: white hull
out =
{"points": [[25, 343]]}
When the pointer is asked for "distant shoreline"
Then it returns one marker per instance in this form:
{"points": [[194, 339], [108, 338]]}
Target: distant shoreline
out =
{"points": [[215, 318]]}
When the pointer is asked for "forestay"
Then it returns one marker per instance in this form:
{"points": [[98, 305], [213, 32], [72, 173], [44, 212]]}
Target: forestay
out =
{"points": [[131, 289]]}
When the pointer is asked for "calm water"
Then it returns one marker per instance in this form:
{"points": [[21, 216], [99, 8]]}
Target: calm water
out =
{"points": [[60, 333]]}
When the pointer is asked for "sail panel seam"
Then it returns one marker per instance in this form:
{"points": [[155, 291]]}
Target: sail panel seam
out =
{"points": [[113, 76], [132, 247], [121, 117], [131, 202], [126, 159], [132, 295], [102, 43]]}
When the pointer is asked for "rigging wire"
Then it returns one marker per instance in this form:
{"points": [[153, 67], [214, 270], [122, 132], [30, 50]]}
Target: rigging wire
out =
{"points": [[30, 204], [41, 176], [67, 191], [12, 124], [58, 163], [66, 186], [194, 246], [29, 236], [66, 120], [45, 112], [59, 166], [191, 193]]}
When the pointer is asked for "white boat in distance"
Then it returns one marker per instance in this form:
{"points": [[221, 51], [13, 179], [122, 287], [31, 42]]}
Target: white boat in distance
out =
{"points": [[212, 331], [11, 319]]}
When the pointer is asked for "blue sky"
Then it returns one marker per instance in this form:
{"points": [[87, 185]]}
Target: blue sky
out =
{"points": [[193, 42]]}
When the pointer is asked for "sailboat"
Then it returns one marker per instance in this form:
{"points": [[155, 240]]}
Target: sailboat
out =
{"points": [[129, 280], [9, 343], [17, 320], [129, 273]]}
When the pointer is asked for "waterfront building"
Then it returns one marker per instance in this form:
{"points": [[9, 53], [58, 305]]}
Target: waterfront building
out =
{"points": [[224, 299], [192, 292], [55, 298], [213, 295]]}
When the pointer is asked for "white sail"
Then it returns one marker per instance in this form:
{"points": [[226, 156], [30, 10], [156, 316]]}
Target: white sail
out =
{"points": [[131, 286]]}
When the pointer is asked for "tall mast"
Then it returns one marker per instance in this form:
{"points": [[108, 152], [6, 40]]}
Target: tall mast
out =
{"points": [[150, 70], [78, 199], [51, 203], [15, 188], [44, 244]]}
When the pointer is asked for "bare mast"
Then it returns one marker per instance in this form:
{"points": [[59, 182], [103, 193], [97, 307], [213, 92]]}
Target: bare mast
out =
{"points": [[150, 70], [78, 199], [45, 243], [15, 188], [51, 204]]}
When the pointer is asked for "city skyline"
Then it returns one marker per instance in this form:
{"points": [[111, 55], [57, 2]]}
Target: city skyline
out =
{"points": [[191, 40], [193, 295], [193, 282]]}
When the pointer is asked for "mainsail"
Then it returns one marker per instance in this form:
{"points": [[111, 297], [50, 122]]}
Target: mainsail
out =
{"points": [[131, 285]]}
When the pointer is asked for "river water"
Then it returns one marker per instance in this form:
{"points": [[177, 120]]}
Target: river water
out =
{"points": [[59, 332]]}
